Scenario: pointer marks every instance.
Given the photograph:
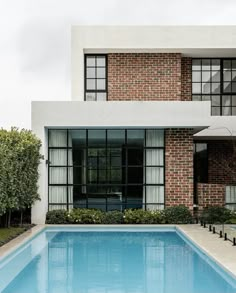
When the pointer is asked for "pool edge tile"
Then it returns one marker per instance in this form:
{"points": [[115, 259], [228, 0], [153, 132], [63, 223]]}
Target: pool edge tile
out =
{"points": [[20, 240]]}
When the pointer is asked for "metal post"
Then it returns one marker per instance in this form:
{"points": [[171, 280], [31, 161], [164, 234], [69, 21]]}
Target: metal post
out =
{"points": [[225, 237], [214, 230], [220, 234], [209, 228], [234, 241]]}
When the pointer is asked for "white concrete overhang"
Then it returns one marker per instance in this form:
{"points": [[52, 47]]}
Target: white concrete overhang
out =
{"points": [[117, 114], [221, 128]]}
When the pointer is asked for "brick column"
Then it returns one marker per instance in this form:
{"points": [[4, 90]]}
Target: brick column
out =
{"points": [[179, 167]]}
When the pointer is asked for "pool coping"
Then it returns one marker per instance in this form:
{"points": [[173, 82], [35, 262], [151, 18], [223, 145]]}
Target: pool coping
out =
{"points": [[221, 252]]}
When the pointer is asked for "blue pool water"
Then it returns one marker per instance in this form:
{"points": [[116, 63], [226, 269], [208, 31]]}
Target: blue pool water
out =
{"points": [[111, 262]]}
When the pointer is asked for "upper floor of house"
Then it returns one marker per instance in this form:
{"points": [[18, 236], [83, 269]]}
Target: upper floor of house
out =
{"points": [[162, 63]]}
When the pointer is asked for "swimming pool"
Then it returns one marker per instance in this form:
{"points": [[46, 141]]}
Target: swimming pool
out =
{"points": [[114, 260]]}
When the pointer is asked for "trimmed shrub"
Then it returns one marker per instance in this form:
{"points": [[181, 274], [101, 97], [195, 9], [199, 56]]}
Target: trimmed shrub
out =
{"points": [[57, 217], [177, 215], [113, 217], [139, 216], [86, 216], [216, 214]]}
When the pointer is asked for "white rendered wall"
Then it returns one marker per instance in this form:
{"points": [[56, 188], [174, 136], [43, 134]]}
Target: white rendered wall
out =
{"points": [[194, 41], [148, 114]]}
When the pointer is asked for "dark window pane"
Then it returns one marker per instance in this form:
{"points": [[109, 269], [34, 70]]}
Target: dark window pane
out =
{"points": [[196, 76], [78, 138], [116, 161], [116, 175], [115, 137], [102, 177], [79, 175], [135, 175], [92, 176], [215, 111], [200, 163], [135, 137], [135, 157], [96, 137], [135, 193], [196, 64], [78, 157]]}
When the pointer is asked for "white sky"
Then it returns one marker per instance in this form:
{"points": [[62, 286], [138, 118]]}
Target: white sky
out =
{"points": [[35, 41]]}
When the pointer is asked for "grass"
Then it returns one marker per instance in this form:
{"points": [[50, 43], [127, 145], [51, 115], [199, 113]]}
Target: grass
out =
{"points": [[7, 234]]}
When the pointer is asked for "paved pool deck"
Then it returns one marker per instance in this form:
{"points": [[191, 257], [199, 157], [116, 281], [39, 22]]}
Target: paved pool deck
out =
{"points": [[222, 252]]}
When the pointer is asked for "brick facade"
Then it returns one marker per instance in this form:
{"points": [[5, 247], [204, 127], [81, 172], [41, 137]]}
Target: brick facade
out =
{"points": [[144, 76], [186, 79], [222, 162], [168, 77], [179, 167], [210, 195]]}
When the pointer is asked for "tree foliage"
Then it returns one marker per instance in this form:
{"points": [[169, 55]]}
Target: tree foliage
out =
{"points": [[19, 161]]}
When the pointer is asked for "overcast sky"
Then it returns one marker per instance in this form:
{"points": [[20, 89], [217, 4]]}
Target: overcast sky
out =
{"points": [[35, 41]]}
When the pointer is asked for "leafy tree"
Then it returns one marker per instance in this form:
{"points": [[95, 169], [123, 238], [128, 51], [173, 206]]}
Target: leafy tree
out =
{"points": [[19, 161]]}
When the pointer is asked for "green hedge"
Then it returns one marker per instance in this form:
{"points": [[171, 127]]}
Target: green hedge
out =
{"points": [[177, 215], [216, 215], [171, 215], [139, 216]]}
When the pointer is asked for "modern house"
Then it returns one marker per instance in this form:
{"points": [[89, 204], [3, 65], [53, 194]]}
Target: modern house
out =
{"points": [[151, 122]]}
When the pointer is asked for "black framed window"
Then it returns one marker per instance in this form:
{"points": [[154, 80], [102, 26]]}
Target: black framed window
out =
{"points": [[215, 80], [95, 77], [110, 169]]}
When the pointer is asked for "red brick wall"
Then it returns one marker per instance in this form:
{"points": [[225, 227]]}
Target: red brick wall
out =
{"points": [[144, 76], [179, 167], [186, 79], [210, 195], [222, 162]]}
